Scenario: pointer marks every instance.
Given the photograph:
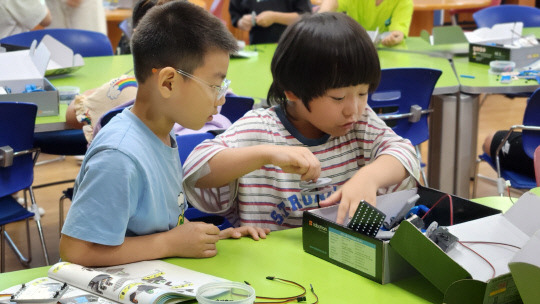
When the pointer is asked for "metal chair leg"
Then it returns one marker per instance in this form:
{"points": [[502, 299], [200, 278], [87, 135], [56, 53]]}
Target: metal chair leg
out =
{"points": [[37, 218], [44, 162], [2, 251], [68, 193], [475, 179]]}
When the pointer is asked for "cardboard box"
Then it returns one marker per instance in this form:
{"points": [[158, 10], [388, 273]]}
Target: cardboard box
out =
{"points": [[525, 269], [461, 274], [484, 54], [499, 43], [447, 41], [63, 60], [21, 68], [370, 257]]}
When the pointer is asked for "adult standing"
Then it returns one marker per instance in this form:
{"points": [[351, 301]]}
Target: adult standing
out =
{"points": [[265, 20], [78, 14], [17, 16]]}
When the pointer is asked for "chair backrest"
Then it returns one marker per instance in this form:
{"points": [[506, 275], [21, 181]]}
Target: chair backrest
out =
{"points": [[537, 165], [17, 121], [86, 43], [487, 17], [109, 115], [126, 27], [236, 106], [531, 117], [187, 142], [398, 91]]}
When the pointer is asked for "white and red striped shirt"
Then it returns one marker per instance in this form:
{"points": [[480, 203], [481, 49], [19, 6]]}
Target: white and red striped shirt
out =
{"points": [[270, 198]]}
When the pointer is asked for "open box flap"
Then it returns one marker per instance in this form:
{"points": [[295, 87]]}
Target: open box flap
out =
{"points": [[525, 269], [63, 59], [24, 67], [524, 213], [427, 257], [465, 291], [499, 33], [444, 35]]}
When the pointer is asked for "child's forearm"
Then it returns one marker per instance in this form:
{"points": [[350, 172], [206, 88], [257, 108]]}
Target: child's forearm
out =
{"points": [[133, 249], [384, 171], [230, 164]]}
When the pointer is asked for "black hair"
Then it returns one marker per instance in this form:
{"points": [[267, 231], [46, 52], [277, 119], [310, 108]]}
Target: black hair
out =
{"points": [[139, 10], [321, 52], [177, 34], [141, 7]]}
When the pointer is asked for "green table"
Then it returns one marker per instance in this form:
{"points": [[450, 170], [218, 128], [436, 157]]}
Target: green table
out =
{"points": [[281, 255], [252, 76]]}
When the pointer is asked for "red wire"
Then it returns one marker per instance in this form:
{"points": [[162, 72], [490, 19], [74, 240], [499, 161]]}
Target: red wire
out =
{"points": [[493, 268], [510, 197], [451, 208], [491, 243]]}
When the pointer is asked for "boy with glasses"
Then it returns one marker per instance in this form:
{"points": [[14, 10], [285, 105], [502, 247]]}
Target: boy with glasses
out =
{"points": [[128, 201]]}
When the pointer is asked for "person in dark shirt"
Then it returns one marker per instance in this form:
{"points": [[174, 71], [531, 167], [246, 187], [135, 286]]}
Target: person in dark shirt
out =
{"points": [[265, 20]]}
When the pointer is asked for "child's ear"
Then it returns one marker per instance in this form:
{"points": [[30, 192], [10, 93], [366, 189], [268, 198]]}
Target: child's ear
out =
{"points": [[291, 96], [166, 78]]}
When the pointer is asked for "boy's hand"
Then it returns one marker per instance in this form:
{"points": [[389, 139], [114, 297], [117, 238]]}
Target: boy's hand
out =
{"points": [[394, 38], [256, 233], [350, 195], [245, 23], [265, 19], [298, 160], [193, 240]]}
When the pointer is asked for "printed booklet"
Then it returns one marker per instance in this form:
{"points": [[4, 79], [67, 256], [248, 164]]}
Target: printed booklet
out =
{"points": [[140, 283]]}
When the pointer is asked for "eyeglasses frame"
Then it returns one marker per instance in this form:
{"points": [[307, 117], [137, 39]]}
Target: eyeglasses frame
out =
{"points": [[220, 90]]}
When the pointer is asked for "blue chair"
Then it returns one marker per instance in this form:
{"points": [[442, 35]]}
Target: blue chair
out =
{"points": [[455, 12], [236, 106], [186, 144], [403, 99], [531, 141], [17, 173], [86, 43], [109, 115], [487, 17]]}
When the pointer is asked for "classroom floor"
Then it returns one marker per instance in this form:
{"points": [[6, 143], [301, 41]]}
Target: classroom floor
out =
{"points": [[498, 112]]}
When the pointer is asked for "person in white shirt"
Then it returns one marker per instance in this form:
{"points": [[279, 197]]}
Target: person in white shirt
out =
{"points": [[17, 16], [78, 14]]}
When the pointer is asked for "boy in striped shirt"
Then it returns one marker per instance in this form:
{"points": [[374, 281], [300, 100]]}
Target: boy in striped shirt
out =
{"points": [[320, 126]]}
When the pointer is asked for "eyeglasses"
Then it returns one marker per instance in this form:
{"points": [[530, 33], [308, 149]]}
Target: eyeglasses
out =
{"points": [[220, 90]]}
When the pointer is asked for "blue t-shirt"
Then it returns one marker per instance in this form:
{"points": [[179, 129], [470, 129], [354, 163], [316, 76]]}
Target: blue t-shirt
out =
{"points": [[130, 183]]}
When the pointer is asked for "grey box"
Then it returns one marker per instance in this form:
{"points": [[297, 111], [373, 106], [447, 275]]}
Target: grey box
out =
{"points": [[47, 101], [485, 53]]}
